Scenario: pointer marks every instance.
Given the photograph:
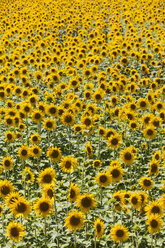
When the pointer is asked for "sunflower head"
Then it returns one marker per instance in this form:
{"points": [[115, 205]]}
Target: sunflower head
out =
{"points": [[155, 223], [99, 228], [74, 221], [47, 177], [43, 207], [86, 202], [104, 179], [119, 233], [15, 231]]}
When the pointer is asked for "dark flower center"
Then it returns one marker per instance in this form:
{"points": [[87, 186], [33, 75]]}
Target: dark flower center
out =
{"points": [[68, 164], [128, 156], [98, 228], [54, 154], [103, 178], [44, 206], [86, 202], [150, 132], [14, 232], [155, 210], [5, 190], [154, 223], [21, 207], [74, 221], [114, 141], [134, 200], [120, 233], [115, 173], [147, 183], [72, 193], [47, 178]]}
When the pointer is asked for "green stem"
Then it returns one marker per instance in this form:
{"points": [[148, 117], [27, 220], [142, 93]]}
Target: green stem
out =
{"points": [[74, 239]]}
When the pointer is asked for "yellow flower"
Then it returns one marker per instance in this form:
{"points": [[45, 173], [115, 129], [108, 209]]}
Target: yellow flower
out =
{"points": [[146, 183], [21, 207], [99, 228], [68, 164], [54, 153], [116, 172], [24, 152], [149, 132], [74, 221], [155, 223], [104, 179], [7, 163], [47, 177], [119, 233], [155, 207], [6, 187], [43, 207], [15, 231], [114, 141], [73, 192], [86, 202], [127, 156]]}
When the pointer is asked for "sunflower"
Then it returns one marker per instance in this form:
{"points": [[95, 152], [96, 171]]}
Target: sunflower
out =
{"points": [[98, 96], [43, 207], [15, 231], [48, 191], [119, 233], [86, 122], [52, 110], [9, 136], [74, 221], [7, 163], [146, 183], [97, 163], [24, 152], [26, 108], [21, 207], [149, 132], [154, 168], [127, 156], [155, 223], [126, 197], [35, 151], [89, 150], [78, 128], [99, 228], [35, 138], [68, 119], [135, 200], [114, 141], [119, 200], [133, 125], [142, 103], [116, 172], [6, 187], [54, 153], [49, 124], [156, 157], [155, 207], [68, 164], [86, 202], [47, 177], [27, 175], [73, 192], [104, 179], [12, 198], [37, 116]]}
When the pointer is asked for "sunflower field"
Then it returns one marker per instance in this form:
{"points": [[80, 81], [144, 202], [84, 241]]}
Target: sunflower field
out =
{"points": [[82, 123]]}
